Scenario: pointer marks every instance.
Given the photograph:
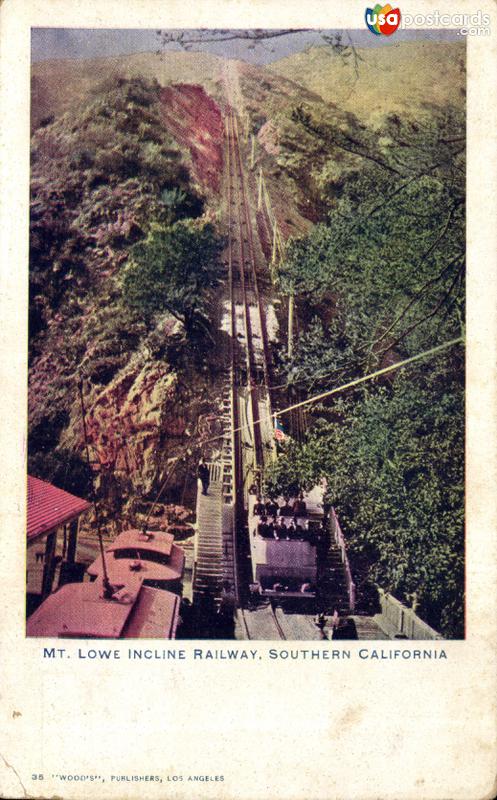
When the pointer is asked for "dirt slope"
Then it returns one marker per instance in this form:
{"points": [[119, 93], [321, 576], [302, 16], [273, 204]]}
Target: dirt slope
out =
{"points": [[194, 119], [396, 77]]}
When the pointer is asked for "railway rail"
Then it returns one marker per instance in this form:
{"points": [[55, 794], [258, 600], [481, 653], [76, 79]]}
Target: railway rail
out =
{"points": [[223, 565], [248, 321], [262, 624], [249, 353]]}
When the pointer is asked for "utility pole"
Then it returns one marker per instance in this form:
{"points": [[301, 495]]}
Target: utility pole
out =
{"points": [[107, 586], [291, 304], [273, 254]]}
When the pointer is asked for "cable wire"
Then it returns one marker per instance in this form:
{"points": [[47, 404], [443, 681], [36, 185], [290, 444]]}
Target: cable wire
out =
{"points": [[398, 365]]}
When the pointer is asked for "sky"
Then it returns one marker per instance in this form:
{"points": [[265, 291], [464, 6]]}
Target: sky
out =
{"points": [[48, 43]]}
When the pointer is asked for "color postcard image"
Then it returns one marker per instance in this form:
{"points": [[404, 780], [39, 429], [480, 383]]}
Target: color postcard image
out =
{"points": [[246, 365], [248, 306]]}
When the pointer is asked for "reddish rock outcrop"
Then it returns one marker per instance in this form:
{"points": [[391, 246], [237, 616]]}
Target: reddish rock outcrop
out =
{"points": [[124, 423], [196, 122], [268, 138]]}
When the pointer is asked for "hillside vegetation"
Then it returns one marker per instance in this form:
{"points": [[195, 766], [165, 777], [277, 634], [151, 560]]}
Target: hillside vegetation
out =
{"points": [[58, 85], [398, 77], [105, 175], [365, 172], [379, 280]]}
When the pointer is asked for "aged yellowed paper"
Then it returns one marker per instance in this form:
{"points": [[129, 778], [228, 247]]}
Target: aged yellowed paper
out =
{"points": [[249, 715]]}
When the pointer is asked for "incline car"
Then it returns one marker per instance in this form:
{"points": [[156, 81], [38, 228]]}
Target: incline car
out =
{"points": [[284, 543], [80, 611], [151, 554]]}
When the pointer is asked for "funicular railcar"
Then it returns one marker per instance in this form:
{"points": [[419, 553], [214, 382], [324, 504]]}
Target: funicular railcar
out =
{"points": [[285, 538], [151, 554], [82, 611]]}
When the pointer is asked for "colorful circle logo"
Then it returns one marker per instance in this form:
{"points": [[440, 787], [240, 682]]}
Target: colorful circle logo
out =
{"points": [[383, 20]]}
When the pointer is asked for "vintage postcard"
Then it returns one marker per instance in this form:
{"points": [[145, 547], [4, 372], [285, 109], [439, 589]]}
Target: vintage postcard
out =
{"points": [[248, 368]]}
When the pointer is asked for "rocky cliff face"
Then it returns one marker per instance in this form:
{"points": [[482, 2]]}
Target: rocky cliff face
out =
{"points": [[129, 155], [194, 119], [109, 161], [138, 426]]}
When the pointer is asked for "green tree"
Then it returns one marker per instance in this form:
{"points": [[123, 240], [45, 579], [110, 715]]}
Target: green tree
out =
{"points": [[393, 458], [381, 279], [174, 269], [390, 259]]}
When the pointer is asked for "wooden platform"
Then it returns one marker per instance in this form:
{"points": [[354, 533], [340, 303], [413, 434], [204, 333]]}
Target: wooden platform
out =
{"points": [[208, 572], [368, 629]]}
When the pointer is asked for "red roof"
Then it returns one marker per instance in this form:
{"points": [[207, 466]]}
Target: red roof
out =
{"points": [[49, 507], [78, 610], [158, 541], [153, 553]]}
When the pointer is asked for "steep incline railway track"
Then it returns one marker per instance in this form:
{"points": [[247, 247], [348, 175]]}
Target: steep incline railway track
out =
{"points": [[226, 557], [223, 550], [249, 373], [223, 556], [248, 323]]}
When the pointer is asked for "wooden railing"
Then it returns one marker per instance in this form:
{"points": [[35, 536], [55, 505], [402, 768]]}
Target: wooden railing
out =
{"points": [[340, 542], [399, 620], [396, 619]]}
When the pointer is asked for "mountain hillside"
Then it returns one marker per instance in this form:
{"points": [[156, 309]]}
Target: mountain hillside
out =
{"points": [[398, 77], [102, 175], [58, 85], [132, 201]]}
